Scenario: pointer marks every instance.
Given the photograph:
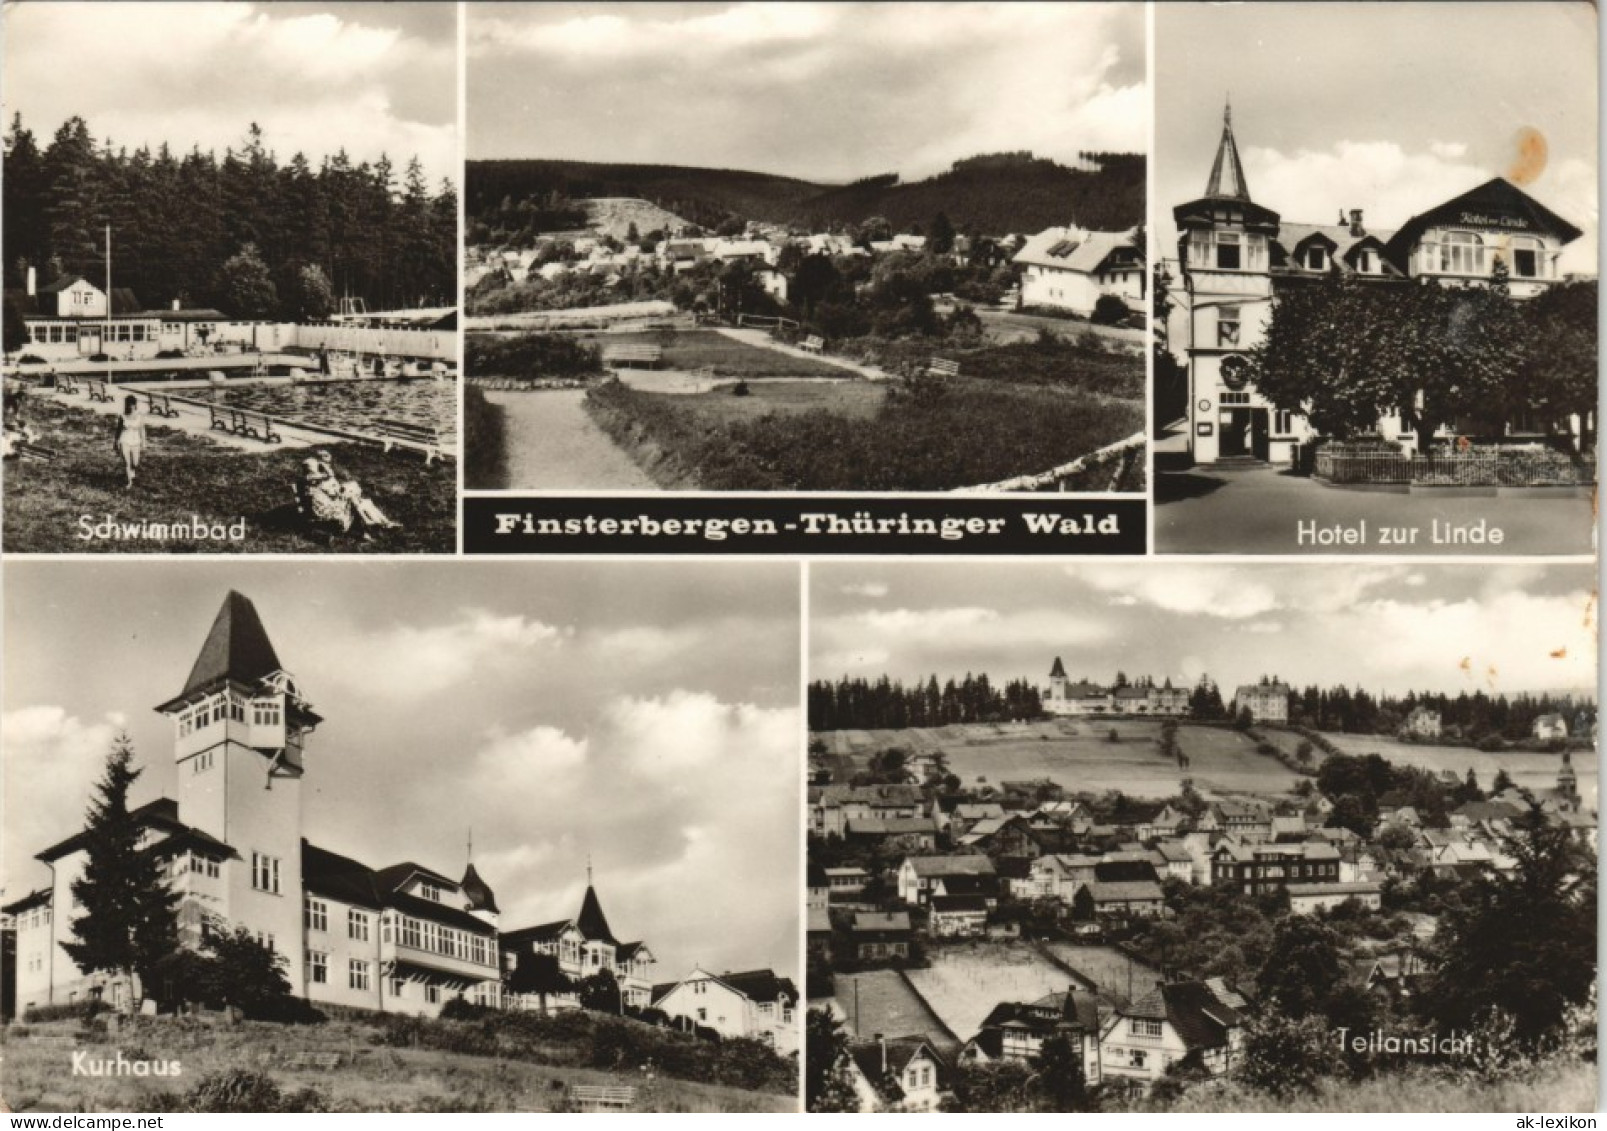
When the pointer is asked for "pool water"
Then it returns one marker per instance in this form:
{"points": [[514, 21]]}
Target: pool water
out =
{"points": [[352, 406]]}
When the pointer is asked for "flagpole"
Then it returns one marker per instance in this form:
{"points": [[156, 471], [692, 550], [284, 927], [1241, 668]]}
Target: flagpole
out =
{"points": [[106, 336]]}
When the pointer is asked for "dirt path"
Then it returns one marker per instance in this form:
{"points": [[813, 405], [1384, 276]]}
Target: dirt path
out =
{"points": [[554, 445]]}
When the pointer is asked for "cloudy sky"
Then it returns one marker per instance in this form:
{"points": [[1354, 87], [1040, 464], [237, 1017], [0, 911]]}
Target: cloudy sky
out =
{"points": [[1386, 627], [372, 78], [644, 715], [825, 92], [1391, 108]]}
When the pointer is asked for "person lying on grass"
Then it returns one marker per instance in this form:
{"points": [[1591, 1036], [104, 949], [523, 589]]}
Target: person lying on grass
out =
{"points": [[323, 496]]}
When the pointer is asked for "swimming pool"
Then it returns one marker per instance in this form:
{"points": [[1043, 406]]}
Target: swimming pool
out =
{"points": [[352, 406]]}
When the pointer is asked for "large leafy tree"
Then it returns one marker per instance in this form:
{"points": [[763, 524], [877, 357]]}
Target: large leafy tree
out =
{"points": [[1521, 944], [1560, 380], [129, 924], [1303, 968], [246, 286]]}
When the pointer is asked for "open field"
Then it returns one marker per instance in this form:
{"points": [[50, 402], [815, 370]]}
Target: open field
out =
{"points": [[965, 982], [1078, 755], [1109, 971], [1528, 768], [38, 1077], [185, 476], [693, 349], [881, 1001]]}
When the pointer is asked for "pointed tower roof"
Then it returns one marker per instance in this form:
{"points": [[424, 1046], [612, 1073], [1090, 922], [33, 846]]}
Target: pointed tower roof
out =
{"points": [[1227, 172], [591, 920], [479, 892], [1058, 671], [237, 650]]}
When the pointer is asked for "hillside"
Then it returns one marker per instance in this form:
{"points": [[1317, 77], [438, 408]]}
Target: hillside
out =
{"points": [[617, 215], [993, 194]]}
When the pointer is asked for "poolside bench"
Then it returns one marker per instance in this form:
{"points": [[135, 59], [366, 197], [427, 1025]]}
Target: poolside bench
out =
{"points": [[244, 422], [30, 452], [161, 405], [814, 343], [65, 383], [942, 367], [99, 392], [630, 357], [322, 1060], [599, 1096], [422, 435]]}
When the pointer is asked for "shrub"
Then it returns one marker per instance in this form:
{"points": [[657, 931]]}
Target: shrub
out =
{"points": [[98, 357], [740, 389], [245, 1090], [30, 359], [67, 1011], [1109, 311], [462, 1009], [168, 355]]}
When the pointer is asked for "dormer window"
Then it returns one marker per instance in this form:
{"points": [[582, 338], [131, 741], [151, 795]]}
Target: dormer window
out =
{"points": [[1316, 257], [1367, 261], [431, 892]]}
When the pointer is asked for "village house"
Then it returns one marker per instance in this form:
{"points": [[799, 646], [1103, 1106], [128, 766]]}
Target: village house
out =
{"points": [[754, 1005], [917, 875], [846, 882], [577, 949], [1065, 697], [1119, 899], [880, 934], [1421, 723], [817, 934], [1242, 819], [1017, 1031], [831, 806], [894, 834], [1070, 269], [1236, 255], [958, 916], [1550, 726], [1266, 702], [1200, 1023], [73, 318], [897, 1074], [1261, 868], [1305, 899], [1010, 835]]}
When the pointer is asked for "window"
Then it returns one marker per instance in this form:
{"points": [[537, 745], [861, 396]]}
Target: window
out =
{"points": [[1283, 422], [432, 993], [317, 914], [1526, 258], [431, 892], [357, 975], [1367, 261], [1227, 326], [1230, 398], [411, 936], [265, 872], [357, 924], [1462, 253], [398, 987], [317, 967], [201, 763], [265, 939], [1227, 251], [702, 1014], [1316, 257]]}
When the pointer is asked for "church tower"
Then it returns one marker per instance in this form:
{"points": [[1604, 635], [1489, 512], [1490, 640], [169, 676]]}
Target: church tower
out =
{"points": [[240, 725], [1225, 247], [1057, 681], [1568, 783]]}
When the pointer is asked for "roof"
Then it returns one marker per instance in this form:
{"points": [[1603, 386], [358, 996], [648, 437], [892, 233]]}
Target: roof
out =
{"points": [[959, 904], [1227, 172], [162, 815], [350, 881], [1072, 249], [28, 902], [1357, 888], [761, 985], [969, 885], [933, 866], [891, 826], [1261, 689], [884, 796], [819, 921], [1498, 197], [1200, 1017], [540, 932], [881, 921], [1058, 670], [481, 897], [236, 650], [591, 920], [1124, 891], [394, 877], [895, 1053]]}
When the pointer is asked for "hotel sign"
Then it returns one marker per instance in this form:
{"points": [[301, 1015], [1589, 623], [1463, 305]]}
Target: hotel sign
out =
{"points": [[1484, 220]]}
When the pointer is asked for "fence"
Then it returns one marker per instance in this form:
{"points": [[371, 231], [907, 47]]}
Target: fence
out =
{"points": [[1489, 467], [1123, 453]]}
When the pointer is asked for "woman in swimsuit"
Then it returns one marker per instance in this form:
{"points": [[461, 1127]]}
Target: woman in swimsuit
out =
{"points": [[130, 442]]}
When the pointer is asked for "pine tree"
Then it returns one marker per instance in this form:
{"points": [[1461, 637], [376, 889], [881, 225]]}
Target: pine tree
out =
{"points": [[129, 922]]}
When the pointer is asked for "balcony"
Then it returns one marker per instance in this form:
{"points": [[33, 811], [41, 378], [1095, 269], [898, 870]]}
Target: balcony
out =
{"points": [[441, 963]]}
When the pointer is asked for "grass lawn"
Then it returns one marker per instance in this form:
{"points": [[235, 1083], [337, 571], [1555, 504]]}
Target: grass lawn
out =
{"points": [[1111, 971], [693, 349], [853, 400], [186, 476], [369, 1078], [965, 982], [884, 1002], [959, 433]]}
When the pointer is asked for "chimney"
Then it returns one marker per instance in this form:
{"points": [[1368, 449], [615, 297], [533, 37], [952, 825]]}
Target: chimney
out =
{"points": [[33, 281], [882, 1041], [1356, 228], [175, 304]]}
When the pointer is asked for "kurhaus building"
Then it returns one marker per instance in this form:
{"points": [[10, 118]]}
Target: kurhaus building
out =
{"points": [[1235, 255], [402, 938]]}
